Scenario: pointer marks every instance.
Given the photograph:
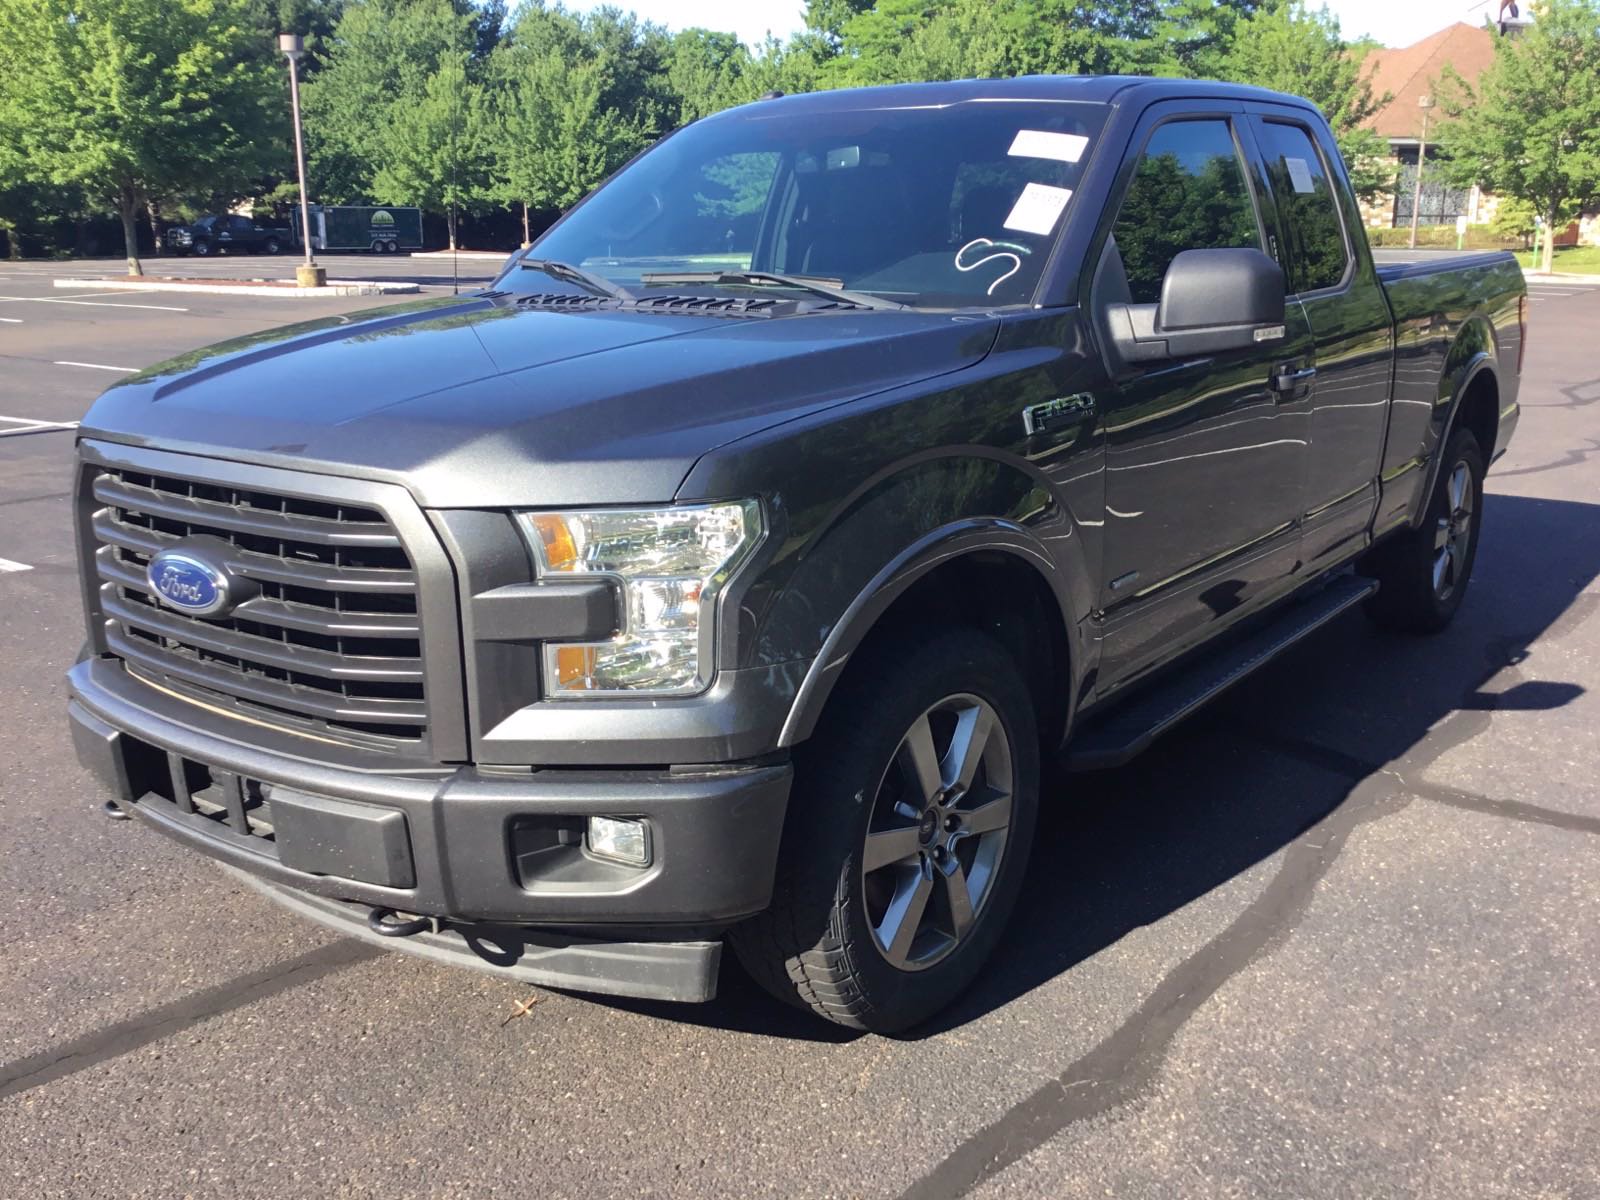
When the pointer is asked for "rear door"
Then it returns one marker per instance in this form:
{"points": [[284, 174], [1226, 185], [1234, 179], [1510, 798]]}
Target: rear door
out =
{"points": [[1332, 275], [1205, 458]]}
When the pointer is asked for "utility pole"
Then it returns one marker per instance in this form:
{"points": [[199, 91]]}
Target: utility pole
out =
{"points": [[1426, 104], [308, 274]]}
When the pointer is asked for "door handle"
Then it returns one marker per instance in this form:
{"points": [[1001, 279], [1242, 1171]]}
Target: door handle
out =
{"points": [[1291, 380]]}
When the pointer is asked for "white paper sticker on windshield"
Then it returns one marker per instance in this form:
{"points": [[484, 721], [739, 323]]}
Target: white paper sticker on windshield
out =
{"points": [[1038, 208], [1299, 174], [1036, 143]]}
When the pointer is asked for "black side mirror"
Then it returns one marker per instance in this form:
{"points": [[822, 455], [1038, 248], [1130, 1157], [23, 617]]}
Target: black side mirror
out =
{"points": [[1211, 300]]}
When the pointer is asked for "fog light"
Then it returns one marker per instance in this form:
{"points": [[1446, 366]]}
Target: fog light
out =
{"points": [[619, 839]]}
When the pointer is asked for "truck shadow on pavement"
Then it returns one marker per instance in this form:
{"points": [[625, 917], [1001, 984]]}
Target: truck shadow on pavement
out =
{"points": [[1334, 734]]}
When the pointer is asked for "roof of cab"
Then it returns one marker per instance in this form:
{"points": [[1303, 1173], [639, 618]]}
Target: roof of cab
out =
{"points": [[1093, 89]]}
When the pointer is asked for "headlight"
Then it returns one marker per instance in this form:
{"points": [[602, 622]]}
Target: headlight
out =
{"points": [[670, 563]]}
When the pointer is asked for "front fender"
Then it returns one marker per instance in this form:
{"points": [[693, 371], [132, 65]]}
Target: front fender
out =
{"points": [[892, 532]]}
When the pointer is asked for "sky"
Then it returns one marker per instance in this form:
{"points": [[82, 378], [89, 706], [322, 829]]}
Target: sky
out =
{"points": [[1390, 22]]}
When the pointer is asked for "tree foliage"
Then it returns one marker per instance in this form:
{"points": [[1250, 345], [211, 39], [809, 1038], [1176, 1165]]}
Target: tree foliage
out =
{"points": [[465, 105], [137, 99], [1530, 129], [1288, 47]]}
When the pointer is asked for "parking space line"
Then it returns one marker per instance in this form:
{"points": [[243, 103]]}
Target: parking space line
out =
{"points": [[67, 362], [91, 303], [7, 565], [12, 320]]}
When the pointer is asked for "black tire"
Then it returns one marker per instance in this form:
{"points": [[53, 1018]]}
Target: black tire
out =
{"points": [[818, 944], [1423, 573], [271, 246], [202, 249]]}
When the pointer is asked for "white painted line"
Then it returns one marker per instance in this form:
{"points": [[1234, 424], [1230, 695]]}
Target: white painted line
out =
{"points": [[12, 320], [94, 303], [7, 565], [31, 423], [66, 362]]}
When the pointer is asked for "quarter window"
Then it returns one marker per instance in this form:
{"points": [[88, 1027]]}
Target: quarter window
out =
{"points": [[1188, 193], [1305, 198]]}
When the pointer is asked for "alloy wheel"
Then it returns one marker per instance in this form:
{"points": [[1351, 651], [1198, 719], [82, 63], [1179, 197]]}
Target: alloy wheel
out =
{"points": [[1453, 536], [937, 831]]}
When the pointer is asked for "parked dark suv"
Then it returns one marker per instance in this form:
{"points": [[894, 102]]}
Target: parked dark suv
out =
{"points": [[731, 567], [220, 234]]}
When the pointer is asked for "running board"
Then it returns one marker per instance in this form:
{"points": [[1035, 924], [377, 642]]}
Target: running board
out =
{"points": [[1128, 728]]}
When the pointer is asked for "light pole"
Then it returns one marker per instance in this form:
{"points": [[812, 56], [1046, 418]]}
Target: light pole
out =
{"points": [[307, 274], [1426, 104]]}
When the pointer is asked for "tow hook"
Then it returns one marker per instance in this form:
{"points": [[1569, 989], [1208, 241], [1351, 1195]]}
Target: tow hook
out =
{"points": [[115, 811], [378, 921]]}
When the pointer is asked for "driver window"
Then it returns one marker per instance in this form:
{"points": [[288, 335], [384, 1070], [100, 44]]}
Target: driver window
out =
{"points": [[1188, 193]]}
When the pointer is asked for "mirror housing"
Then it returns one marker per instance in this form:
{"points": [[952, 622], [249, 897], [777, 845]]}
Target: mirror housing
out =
{"points": [[1211, 300]]}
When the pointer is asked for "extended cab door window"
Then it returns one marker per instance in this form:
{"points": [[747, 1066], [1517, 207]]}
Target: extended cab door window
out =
{"points": [[1318, 257]]}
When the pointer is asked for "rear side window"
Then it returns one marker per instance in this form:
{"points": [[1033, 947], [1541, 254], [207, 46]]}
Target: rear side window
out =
{"points": [[1305, 198], [1188, 193]]}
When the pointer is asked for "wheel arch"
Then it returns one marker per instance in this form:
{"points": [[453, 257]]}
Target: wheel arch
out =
{"points": [[977, 572], [1469, 394]]}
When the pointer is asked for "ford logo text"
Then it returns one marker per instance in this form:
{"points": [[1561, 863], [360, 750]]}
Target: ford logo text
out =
{"points": [[187, 583]]}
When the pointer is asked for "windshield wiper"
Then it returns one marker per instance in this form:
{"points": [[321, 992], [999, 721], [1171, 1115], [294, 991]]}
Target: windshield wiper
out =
{"points": [[571, 274], [832, 289]]}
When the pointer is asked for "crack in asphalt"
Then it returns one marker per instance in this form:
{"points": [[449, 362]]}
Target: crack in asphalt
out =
{"points": [[1125, 1064], [168, 1019]]}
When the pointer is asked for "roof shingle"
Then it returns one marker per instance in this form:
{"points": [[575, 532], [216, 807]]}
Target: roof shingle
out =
{"points": [[1412, 72]]}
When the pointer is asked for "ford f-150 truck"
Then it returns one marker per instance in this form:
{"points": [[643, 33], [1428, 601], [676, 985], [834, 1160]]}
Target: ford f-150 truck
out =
{"points": [[728, 571]]}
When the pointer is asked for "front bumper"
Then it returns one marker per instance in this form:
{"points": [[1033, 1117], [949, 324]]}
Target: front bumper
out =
{"points": [[481, 850]]}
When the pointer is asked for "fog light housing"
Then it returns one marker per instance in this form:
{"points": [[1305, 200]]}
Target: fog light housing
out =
{"points": [[620, 840]]}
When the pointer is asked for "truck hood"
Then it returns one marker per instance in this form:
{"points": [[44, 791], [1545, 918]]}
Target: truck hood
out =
{"points": [[481, 402]]}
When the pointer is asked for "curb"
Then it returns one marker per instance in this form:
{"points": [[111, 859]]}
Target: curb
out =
{"points": [[1560, 276], [339, 287], [487, 255]]}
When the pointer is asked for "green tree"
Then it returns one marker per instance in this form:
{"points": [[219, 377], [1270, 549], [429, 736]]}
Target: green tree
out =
{"points": [[374, 69], [1530, 130], [137, 98], [1290, 48], [436, 152]]}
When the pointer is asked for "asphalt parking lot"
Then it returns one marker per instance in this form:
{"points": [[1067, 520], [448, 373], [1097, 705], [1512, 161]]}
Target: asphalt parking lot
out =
{"points": [[1339, 936]]}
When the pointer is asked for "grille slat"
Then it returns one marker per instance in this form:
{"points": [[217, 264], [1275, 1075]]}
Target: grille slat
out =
{"points": [[221, 640], [260, 690], [253, 565], [317, 530], [332, 645], [280, 612]]}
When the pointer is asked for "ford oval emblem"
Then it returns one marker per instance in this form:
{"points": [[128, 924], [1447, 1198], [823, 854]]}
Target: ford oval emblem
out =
{"points": [[188, 583]]}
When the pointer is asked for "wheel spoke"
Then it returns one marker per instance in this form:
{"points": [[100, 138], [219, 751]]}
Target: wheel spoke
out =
{"points": [[1441, 537], [967, 745], [1458, 487], [987, 818], [900, 923], [921, 760], [1441, 564], [959, 894], [889, 846]]}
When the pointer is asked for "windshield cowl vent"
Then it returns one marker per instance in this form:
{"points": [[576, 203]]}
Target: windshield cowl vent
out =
{"points": [[709, 306]]}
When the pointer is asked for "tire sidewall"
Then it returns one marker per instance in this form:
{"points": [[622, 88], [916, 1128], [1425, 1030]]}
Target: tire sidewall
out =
{"points": [[951, 663]]}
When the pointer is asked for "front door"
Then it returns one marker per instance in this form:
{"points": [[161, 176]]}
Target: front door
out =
{"points": [[1206, 458]]}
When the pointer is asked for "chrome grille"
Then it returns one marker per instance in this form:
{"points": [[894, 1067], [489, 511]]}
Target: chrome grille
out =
{"points": [[332, 644]]}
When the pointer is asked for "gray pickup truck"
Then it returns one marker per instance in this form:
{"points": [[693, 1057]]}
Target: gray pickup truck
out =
{"points": [[729, 570]]}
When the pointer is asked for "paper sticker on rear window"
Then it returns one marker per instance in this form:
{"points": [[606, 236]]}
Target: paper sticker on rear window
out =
{"points": [[1299, 174], [1037, 143], [1038, 208]]}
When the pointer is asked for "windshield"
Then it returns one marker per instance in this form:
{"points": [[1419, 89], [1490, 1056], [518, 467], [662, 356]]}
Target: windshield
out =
{"points": [[205, 222], [948, 206]]}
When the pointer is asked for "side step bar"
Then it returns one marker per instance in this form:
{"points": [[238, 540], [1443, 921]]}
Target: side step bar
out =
{"points": [[1127, 729]]}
